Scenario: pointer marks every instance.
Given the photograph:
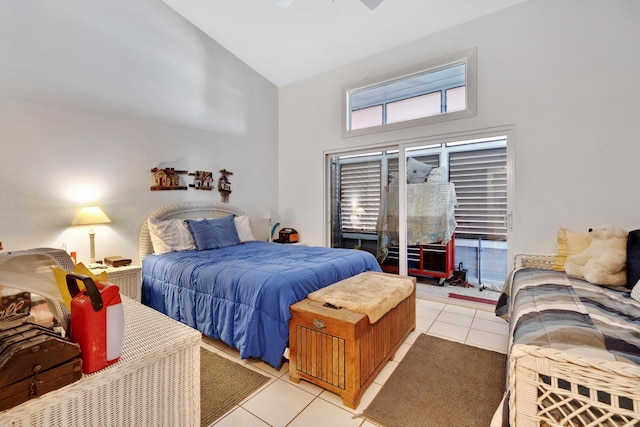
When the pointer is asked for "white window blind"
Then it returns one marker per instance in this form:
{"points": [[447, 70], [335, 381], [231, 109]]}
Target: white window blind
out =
{"points": [[360, 195], [480, 177]]}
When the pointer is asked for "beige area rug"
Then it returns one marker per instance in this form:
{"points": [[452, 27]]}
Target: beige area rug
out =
{"points": [[223, 384], [441, 383]]}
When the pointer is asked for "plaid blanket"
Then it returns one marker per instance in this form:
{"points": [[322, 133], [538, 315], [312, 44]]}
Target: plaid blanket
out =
{"points": [[550, 309]]}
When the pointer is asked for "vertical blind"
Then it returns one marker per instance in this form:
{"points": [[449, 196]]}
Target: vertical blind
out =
{"points": [[480, 177]]}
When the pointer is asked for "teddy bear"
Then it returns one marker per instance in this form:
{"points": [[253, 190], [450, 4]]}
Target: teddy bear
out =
{"points": [[604, 261]]}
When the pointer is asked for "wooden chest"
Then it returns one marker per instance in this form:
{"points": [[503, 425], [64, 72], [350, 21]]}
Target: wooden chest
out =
{"points": [[34, 360], [339, 350]]}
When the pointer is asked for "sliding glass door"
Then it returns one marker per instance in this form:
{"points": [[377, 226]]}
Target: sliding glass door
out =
{"points": [[449, 208]]}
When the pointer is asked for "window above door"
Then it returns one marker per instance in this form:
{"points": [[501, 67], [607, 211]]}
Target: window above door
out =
{"points": [[435, 91]]}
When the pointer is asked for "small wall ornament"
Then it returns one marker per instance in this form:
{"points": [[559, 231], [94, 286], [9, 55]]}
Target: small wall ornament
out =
{"points": [[167, 179], [202, 180], [224, 185]]}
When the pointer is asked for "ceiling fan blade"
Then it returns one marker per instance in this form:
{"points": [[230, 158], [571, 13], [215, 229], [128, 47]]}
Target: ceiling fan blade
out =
{"points": [[371, 4]]}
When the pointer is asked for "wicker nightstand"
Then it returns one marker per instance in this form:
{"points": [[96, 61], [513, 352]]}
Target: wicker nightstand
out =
{"points": [[128, 278]]}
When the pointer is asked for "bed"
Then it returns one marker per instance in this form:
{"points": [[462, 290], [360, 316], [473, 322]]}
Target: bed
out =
{"points": [[574, 350], [239, 293]]}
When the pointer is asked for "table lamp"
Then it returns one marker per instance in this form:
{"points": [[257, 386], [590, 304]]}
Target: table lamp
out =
{"points": [[91, 215], [270, 214]]}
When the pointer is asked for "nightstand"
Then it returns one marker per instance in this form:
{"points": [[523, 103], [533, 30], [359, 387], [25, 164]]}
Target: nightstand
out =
{"points": [[128, 278]]}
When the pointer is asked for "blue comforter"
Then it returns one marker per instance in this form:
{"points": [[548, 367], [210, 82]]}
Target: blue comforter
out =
{"points": [[242, 294]]}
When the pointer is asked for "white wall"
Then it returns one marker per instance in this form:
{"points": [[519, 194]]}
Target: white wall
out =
{"points": [[95, 94], [563, 73]]}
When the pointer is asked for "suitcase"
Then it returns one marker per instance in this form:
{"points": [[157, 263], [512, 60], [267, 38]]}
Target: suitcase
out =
{"points": [[34, 360]]}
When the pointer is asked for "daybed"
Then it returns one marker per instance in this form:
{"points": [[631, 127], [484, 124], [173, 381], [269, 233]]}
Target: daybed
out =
{"points": [[239, 293], [574, 349]]}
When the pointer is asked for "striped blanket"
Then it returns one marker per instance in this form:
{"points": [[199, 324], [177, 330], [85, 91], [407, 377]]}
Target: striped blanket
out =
{"points": [[549, 309]]}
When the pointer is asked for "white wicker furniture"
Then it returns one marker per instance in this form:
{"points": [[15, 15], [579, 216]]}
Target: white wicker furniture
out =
{"points": [[128, 278], [156, 382], [549, 387]]}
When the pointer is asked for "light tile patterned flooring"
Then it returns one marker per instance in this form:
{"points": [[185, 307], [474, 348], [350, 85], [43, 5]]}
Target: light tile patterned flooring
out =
{"points": [[281, 402]]}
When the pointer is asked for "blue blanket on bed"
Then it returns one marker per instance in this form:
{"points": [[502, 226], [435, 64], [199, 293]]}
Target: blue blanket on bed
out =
{"points": [[242, 294]]}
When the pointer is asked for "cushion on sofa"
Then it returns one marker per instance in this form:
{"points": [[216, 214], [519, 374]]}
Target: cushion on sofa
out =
{"points": [[633, 258], [569, 243]]}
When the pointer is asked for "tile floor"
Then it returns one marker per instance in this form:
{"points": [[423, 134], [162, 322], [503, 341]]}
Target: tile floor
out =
{"points": [[281, 402]]}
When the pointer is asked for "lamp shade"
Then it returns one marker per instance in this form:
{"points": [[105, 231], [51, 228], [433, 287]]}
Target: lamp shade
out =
{"points": [[91, 215]]}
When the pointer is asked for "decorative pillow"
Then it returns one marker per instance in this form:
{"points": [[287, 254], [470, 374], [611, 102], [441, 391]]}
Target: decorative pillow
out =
{"points": [[437, 175], [214, 233], [170, 235], [243, 227], [633, 259], [635, 292], [417, 171], [569, 243]]}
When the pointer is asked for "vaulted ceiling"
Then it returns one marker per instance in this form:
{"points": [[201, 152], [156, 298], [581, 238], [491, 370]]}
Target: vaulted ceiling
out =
{"points": [[309, 37]]}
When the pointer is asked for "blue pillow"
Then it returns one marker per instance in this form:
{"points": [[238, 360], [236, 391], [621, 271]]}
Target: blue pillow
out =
{"points": [[213, 233]]}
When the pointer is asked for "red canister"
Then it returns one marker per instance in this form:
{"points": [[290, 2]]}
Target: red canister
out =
{"points": [[97, 321]]}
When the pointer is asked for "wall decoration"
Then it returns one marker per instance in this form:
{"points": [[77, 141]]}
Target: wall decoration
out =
{"points": [[224, 185], [167, 179], [202, 180]]}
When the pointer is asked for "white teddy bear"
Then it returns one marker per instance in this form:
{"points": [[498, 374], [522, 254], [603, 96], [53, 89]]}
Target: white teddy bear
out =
{"points": [[604, 262]]}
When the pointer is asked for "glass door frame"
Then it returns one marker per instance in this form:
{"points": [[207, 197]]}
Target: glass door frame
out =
{"points": [[508, 131]]}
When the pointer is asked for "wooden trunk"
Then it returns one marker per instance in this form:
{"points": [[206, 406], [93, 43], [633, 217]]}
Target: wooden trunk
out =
{"points": [[339, 350], [35, 360]]}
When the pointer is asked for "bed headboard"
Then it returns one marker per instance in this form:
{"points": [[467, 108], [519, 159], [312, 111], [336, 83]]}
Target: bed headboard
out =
{"points": [[185, 210]]}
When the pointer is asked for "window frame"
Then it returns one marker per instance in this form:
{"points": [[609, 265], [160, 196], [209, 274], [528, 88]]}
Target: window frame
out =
{"points": [[467, 57]]}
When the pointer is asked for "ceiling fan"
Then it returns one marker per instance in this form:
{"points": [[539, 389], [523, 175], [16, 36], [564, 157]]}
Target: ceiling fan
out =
{"points": [[371, 4]]}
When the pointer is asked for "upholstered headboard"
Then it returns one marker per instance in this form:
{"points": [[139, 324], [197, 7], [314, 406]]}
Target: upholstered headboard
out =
{"points": [[185, 210]]}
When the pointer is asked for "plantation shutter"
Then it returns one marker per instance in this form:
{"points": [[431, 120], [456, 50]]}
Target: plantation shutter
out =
{"points": [[480, 178], [360, 196]]}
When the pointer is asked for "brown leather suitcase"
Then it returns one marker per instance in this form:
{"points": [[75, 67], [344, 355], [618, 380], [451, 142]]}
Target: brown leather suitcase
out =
{"points": [[34, 360]]}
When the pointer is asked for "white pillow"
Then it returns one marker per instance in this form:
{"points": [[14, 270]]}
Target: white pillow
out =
{"points": [[243, 227], [635, 292], [170, 235], [438, 175], [417, 171]]}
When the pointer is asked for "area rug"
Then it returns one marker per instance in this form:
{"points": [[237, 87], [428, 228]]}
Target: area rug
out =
{"points": [[223, 384], [474, 299], [441, 293], [441, 383]]}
